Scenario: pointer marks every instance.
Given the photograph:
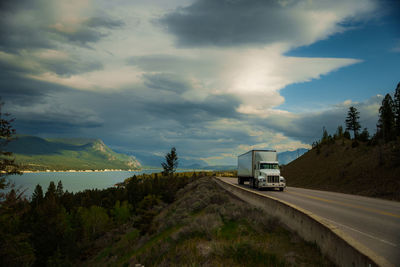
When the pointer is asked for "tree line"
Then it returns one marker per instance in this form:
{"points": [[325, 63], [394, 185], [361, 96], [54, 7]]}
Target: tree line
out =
{"points": [[388, 125], [56, 227]]}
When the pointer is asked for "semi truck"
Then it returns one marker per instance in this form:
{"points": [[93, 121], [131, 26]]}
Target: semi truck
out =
{"points": [[261, 169]]}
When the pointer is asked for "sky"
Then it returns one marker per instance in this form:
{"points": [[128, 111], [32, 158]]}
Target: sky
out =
{"points": [[213, 78]]}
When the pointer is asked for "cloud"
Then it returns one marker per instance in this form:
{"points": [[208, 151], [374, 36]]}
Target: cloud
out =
{"points": [[48, 61], [88, 31], [307, 127], [104, 22], [41, 24], [166, 82], [260, 22], [105, 70]]}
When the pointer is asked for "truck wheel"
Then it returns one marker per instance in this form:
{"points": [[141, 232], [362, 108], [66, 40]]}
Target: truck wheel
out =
{"points": [[281, 189], [240, 181]]}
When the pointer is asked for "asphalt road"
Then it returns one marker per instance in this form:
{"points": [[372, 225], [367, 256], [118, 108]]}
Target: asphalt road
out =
{"points": [[373, 222]]}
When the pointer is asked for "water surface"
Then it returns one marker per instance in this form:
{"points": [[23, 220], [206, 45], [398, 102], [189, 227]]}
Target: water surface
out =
{"points": [[73, 181]]}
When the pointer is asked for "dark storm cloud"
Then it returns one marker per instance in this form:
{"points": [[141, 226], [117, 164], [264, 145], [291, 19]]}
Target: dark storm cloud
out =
{"points": [[169, 63], [16, 37], [229, 23], [104, 22], [22, 25], [166, 82], [55, 124], [18, 89], [41, 107], [69, 66], [15, 89], [32, 25], [191, 112], [158, 62], [81, 36], [90, 30]]}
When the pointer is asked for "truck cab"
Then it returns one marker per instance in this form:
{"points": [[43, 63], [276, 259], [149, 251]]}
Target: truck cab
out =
{"points": [[261, 169], [267, 175]]}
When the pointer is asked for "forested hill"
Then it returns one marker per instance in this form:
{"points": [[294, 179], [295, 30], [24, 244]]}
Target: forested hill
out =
{"points": [[35, 153]]}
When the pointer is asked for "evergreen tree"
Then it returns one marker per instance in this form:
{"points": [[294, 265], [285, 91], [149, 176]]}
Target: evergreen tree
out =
{"points": [[7, 163], [171, 162], [325, 136], [386, 123], [364, 135], [346, 134], [51, 191], [396, 103], [37, 196], [339, 131], [352, 123], [134, 191], [59, 190]]}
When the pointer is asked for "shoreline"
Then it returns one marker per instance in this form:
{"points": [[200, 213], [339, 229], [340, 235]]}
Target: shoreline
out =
{"points": [[112, 170], [105, 170]]}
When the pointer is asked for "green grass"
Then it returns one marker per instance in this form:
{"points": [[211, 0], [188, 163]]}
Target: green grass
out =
{"points": [[247, 254], [229, 231]]}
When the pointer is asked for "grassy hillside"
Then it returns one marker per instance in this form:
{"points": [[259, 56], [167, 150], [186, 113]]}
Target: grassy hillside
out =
{"points": [[35, 153], [364, 170], [206, 226]]}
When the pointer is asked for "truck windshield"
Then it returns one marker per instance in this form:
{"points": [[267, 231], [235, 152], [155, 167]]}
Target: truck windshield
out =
{"points": [[269, 166]]}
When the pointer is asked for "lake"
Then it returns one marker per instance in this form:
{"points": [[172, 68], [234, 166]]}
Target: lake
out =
{"points": [[73, 181]]}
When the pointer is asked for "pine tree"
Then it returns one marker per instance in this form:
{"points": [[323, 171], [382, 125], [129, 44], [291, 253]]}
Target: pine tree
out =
{"points": [[59, 190], [7, 163], [339, 131], [51, 191], [346, 134], [325, 136], [364, 135], [352, 123], [386, 123], [37, 196], [171, 162], [396, 102]]}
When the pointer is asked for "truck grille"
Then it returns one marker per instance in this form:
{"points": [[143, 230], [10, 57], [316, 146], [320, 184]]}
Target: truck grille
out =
{"points": [[273, 179]]}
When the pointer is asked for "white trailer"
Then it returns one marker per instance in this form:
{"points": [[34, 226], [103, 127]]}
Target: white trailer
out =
{"points": [[261, 169]]}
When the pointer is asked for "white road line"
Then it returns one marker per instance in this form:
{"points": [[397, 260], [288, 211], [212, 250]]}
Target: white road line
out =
{"points": [[355, 230]]}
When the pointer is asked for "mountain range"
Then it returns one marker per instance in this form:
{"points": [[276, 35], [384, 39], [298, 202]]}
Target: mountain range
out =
{"points": [[35, 153]]}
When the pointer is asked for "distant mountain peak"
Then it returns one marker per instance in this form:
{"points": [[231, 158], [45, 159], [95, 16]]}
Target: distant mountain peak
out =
{"points": [[64, 154]]}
